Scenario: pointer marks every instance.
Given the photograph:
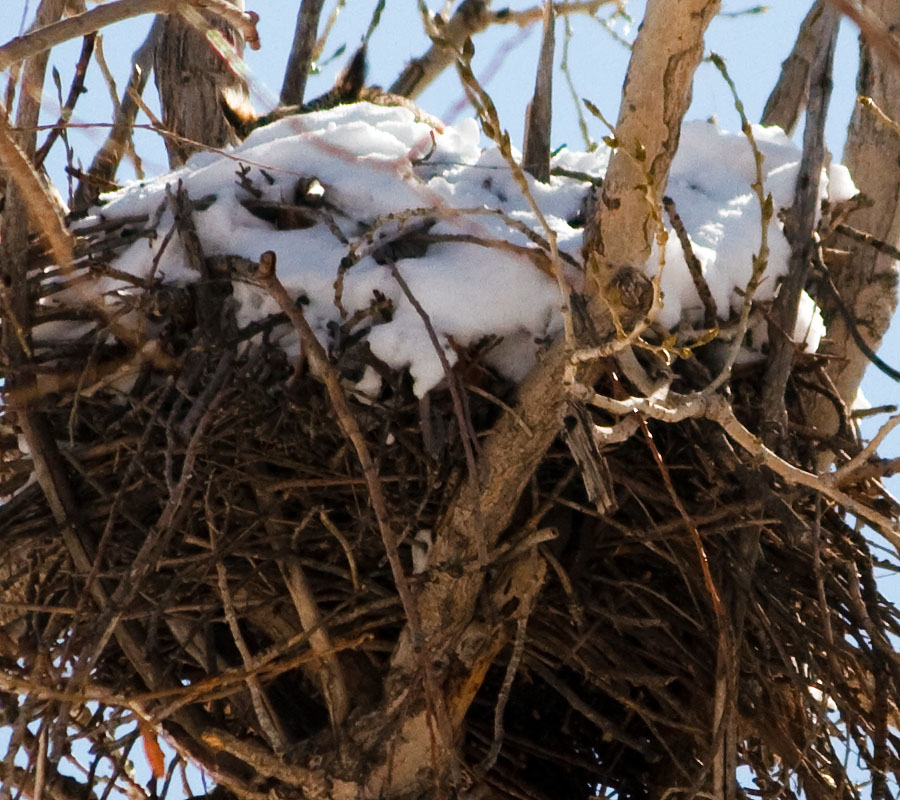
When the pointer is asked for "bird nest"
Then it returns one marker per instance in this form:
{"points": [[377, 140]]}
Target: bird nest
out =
{"points": [[695, 605]]}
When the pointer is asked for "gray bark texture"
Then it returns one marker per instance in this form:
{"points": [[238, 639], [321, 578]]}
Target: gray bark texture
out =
{"points": [[194, 80], [867, 280]]}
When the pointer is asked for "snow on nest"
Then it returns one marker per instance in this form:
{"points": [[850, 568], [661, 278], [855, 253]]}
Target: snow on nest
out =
{"points": [[374, 161]]}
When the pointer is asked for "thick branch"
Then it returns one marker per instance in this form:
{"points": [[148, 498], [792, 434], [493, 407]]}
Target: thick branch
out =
{"points": [[800, 231], [867, 280], [656, 96], [196, 71]]}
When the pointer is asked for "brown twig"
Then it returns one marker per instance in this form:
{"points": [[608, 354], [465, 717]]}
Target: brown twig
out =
{"points": [[324, 371], [75, 91], [710, 311]]}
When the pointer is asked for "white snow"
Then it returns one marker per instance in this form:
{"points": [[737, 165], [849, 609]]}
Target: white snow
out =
{"points": [[375, 161]]}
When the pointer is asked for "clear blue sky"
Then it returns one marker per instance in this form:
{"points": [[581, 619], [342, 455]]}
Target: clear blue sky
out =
{"points": [[754, 46]]}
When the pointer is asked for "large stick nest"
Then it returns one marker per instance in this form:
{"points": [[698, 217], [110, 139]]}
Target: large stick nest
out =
{"points": [[206, 484]]}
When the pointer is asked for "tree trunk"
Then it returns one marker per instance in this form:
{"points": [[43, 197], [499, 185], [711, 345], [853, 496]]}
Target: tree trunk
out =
{"points": [[194, 78], [867, 279]]}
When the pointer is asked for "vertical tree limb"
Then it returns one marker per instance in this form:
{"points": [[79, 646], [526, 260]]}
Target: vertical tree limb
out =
{"points": [[867, 280], [539, 116], [799, 228], [789, 95], [194, 79], [296, 70], [656, 95]]}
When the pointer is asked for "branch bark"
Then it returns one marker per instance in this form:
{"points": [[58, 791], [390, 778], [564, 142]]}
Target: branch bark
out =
{"points": [[44, 38], [656, 95], [658, 91], [195, 76], [297, 69], [789, 95], [538, 118], [799, 226], [867, 280]]}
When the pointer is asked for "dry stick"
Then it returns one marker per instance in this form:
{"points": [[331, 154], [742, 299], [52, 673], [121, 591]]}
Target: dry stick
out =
{"points": [[466, 431], [334, 687], [539, 115], [846, 472], [800, 232], [267, 720], [716, 761], [716, 408], [75, 91], [106, 162], [711, 312], [789, 95], [297, 69], [867, 238], [323, 370], [38, 41]]}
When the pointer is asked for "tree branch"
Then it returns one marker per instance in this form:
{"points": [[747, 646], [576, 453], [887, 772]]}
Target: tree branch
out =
{"points": [[539, 116], [657, 93], [43, 39], [296, 70], [799, 228], [789, 95]]}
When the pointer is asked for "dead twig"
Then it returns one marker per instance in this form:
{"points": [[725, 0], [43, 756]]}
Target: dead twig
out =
{"points": [[710, 311]]}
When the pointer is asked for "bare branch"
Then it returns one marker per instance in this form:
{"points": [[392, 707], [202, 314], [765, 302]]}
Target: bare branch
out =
{"points": [[43, 39], [539, 116], [296, 70], [106, 161], [470, 18], [789, 95], [802, 220], [656, 96]]}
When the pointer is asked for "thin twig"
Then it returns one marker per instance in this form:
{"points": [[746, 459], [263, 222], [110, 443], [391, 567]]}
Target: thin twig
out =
{"points": [[711, 312]]}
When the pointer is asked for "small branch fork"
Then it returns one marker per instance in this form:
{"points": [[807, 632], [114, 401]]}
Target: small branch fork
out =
{"points": [[716, 408]]}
